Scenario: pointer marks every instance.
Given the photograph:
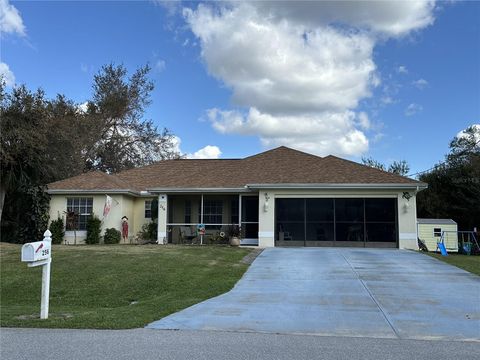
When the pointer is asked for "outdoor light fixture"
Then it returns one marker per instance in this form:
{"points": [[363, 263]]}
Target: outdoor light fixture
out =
{"points": [[406, 195], [265, 206]]}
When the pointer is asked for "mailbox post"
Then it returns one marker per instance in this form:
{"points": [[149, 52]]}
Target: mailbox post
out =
{"points": [[39, 253]]}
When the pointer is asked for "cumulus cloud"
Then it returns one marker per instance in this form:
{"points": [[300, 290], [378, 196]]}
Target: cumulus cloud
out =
{"points": [[297, 131], [10, 20], [420, 83], [83, 107], [476, 127], [298, 70], [391, 18], [207, 152], [402, 69], [413, 109], [7, 74]]}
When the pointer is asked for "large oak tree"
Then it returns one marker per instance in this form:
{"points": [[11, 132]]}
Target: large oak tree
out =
{"points": [[44, 140]]}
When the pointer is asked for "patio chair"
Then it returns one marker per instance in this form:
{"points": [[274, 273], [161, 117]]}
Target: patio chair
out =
{"points": [[186, 233]]}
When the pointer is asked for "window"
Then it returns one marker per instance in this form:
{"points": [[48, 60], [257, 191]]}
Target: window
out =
{"points": [[82, 207], [212, 211], [188, 211], [148, 209], [437, 232]]}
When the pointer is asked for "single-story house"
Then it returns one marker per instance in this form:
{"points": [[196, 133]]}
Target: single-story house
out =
{"points": [[280, 197], [430, 231]]}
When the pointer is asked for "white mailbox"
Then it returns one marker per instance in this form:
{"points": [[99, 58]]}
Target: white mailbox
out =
{"points": [[37, 251]]}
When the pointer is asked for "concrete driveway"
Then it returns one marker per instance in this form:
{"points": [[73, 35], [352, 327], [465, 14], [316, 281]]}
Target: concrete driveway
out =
{"points": [[343, 292]]}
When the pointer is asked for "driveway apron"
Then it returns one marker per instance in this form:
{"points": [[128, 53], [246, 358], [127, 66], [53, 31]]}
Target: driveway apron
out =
{"points": [[382, 293]]}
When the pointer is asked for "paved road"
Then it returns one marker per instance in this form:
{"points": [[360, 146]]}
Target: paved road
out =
{"points": [[40, 344], [378, 293]]}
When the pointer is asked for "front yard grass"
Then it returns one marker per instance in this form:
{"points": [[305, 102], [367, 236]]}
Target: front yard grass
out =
{"points": [[115, 286], [469, 263]]}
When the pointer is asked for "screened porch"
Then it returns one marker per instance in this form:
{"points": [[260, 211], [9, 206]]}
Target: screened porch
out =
{"points": [[224, 216]]}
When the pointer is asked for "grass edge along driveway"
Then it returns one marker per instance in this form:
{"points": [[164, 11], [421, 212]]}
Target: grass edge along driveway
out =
{"points": [[115, 286], [470, 263]]}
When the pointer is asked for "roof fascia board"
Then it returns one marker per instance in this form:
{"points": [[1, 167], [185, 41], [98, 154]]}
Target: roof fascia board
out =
{"points": [[415, 186], [198, 190], [81, 191]]}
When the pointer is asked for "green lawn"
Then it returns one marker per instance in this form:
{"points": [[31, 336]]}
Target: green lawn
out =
{"points": [[115, 286], [470, 263]]}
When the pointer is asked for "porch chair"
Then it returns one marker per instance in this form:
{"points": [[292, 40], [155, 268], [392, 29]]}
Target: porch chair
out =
{"points": [[186, 233]]}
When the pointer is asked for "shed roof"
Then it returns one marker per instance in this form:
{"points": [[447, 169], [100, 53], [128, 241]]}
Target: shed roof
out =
{"points": [[436, 221]]}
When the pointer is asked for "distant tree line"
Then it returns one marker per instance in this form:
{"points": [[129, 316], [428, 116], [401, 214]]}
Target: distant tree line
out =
{"points": [[453, 185], [397, 167], [44, 140]]}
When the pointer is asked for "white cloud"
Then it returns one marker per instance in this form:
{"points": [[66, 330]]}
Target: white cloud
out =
{"points": [[7, 74], [363, 121], [83, 107], [172, 7], [413, 109], [297, 75], [160, 65], [402, 69], [208, 152], [420, 83], [301, 132], [477, 132], [390, 18], [378, 136], [10, 20], [387, 100], [176, 141]]}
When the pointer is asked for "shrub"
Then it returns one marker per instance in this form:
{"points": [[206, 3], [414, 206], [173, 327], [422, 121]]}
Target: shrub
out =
{"points": [[25, 214], [112, 236], [58, 231], [216, 239], [94, 225], [149, 231]]}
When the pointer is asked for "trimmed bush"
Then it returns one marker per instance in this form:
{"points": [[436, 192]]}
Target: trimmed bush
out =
{"points": [[94, 227], [149, 231], [58, 231], [112, 236]]}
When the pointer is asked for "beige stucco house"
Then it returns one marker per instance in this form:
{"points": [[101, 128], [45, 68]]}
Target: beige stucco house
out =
{"points": [[281, 197]]}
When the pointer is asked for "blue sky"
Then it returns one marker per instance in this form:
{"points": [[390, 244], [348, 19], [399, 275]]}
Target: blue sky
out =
{"points": [[378, 86]]}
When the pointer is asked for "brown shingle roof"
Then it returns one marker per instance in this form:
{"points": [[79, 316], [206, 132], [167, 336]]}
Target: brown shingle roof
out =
{"points": [[278, 166], [94, 180]]}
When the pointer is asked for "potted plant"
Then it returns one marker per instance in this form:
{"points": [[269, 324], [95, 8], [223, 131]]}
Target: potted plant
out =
{"points": [[234, 234]]}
